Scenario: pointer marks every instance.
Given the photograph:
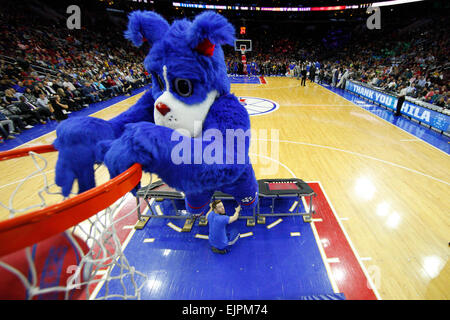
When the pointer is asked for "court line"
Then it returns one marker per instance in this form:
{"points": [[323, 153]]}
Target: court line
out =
{"points": [[316, 105], [158, 210], [245, 235], [255, 111], [174, 227], [124, 245], [373, 287], [28, 142], [360, 155], [333, 260], [429, 144], [294, 205], [273, 224], [282, 164], [322, 251], [324, 257], [316, 235], [255, 104], [38, 174], [264, 86]]}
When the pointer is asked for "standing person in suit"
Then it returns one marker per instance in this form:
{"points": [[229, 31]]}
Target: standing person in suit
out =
{"points": [[401, 99], [312, 73], [304, 75], [335, 74]]}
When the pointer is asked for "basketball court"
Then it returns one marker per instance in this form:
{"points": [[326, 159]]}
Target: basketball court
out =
{"points": [[381, 223]]}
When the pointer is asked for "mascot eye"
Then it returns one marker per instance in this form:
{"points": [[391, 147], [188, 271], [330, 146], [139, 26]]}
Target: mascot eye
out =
{"points": [[183, 87], [160, 82]]}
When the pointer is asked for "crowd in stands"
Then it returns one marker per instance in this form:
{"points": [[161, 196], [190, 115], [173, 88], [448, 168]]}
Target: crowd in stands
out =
{"points": [[47, 73], [411, 62]]}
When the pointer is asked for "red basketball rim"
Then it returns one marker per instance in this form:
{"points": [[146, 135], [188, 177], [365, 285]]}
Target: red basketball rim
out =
{"points": [[25, 230]]}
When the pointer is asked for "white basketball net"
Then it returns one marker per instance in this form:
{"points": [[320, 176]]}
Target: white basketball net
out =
{"points": [[102, 266]]}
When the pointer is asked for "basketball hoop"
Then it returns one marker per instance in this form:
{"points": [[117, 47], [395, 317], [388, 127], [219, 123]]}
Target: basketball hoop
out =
{"points": [[243, 49], [85, 224]]}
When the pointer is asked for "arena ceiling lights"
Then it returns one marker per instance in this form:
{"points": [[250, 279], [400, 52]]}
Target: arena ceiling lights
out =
{"points": [[298, 9]]}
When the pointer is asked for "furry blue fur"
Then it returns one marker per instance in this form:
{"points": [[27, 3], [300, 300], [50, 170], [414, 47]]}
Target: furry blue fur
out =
{"points": [[133, 137], [146, 24]]}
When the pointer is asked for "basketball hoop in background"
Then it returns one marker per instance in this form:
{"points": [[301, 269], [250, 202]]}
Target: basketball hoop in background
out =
{"points": [[243, 49], [244, 58], [65, 250], [243, 46]]}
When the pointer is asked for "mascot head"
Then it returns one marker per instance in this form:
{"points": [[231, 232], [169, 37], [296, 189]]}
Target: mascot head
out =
{"points": [[187, 65]]}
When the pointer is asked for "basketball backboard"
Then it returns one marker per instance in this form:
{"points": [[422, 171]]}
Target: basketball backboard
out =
{"points": [[240, 43]]}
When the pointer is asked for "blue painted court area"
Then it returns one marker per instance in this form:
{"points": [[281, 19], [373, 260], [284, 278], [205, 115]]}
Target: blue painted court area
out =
{"points": [[239, 79], [434, 138], [269, 264], [41, 129]]}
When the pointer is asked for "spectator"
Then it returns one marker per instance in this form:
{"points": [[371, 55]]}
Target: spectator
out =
{"points": [[58, 108], [66, 100], [40, 114], [7, 123], [19, 87], [10, 97], [88, 91], [19, 125]]}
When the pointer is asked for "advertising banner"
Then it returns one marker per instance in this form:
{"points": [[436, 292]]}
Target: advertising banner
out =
{"points": [[432, 118]]}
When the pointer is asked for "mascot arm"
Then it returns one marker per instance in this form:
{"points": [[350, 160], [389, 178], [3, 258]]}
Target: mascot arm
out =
{"points": [[81, 142], [141, 111]]}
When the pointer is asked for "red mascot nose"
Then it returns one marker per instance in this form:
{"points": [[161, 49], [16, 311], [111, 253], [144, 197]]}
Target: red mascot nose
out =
{"points": [[162, 108]]}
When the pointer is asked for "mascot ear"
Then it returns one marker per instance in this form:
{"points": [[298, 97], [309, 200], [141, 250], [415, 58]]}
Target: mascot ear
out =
{"points": [[208, 30], [145, 26]]}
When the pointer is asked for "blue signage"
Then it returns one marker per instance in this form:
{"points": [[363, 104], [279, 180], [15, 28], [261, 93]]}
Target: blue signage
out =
{"points": [[378, 97], [432, 118]]}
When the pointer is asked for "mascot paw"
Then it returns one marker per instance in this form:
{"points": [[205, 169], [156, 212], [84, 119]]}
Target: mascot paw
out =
{"points": [[118, 157]]}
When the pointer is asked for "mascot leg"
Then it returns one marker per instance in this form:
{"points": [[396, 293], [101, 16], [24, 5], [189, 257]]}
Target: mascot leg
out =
{"points": [[198, 203], [245, 189]]}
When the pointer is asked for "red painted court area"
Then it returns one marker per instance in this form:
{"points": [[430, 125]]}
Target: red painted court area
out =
{"points": [[346, 269]]}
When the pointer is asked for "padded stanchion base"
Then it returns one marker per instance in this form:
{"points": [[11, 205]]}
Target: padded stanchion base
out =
{"points": [[261, 220], [188, 225], [203, 221], [141, 223]]}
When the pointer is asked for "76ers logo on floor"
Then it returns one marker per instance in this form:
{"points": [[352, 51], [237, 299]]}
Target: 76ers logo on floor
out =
{"points": [[258, 106], [249, 200]]}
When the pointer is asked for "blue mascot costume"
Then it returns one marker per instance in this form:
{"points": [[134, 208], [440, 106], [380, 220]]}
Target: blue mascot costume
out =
{"points": [[188, 129]]}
